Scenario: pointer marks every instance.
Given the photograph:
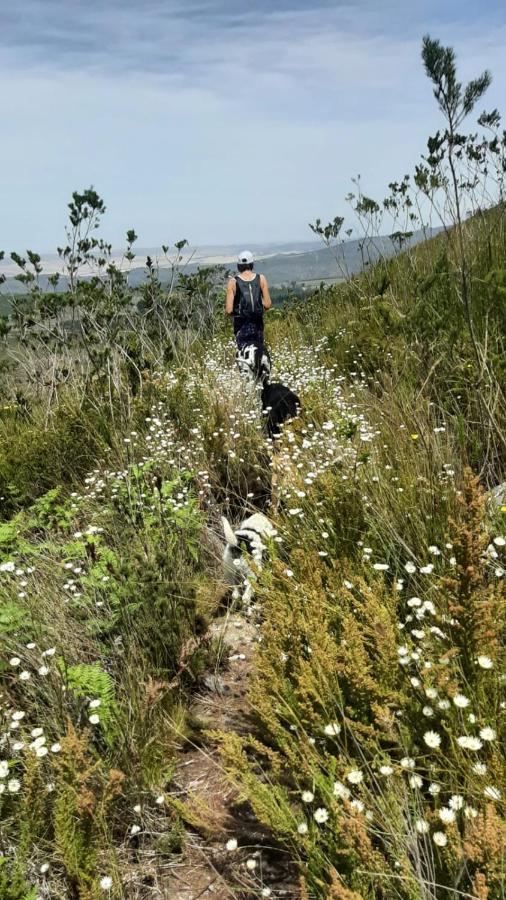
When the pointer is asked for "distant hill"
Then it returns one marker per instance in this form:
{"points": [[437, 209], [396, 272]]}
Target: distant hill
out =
{"points": [[282, 264]]}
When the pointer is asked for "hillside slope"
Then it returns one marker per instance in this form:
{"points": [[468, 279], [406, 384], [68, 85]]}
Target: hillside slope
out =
{"points": [[371, 762]]}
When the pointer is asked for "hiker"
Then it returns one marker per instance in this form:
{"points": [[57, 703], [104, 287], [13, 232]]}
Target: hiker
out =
{"points": [[247, 298]]}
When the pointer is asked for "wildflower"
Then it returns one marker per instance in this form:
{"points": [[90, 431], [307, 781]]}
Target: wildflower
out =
{"points": [[302, 828], [432, 739], [307, 797], [135, 829], [381, 567], [231, 844], [55, 748], [94, 704], [470, 812], [4, 768], [321, 815], [480, 769], [106, 883], [428, 569], [469, 743], [435, 551], [289, 573], [18, 745], [266, 892], [447, 816], [43, 670], [488, 734], [444, 704], [13, 786], [18, 715], [355, 776], [36, 732], [44, 868], [428, 711], [50, 652], [251, 864], [14, 662], [440, 839], [422, 826], [431, 693], [456, 801], [415, 781], [415, 682], [410, 568], [434, 789], [358, 805], [94, 719], [461, 701], [340, 790], [414, 602], [386, 770], [160, 799], [492, 793], [24, 676], [41, 751], [484, 662], [407, 762], [332, 729], [499, 541]]}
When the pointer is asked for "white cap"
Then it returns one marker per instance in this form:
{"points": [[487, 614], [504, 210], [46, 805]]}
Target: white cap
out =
{"points": [[245, 258]]}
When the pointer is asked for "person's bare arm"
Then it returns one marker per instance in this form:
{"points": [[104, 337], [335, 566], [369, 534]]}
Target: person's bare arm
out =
{"points": [[266, 297], [229, 300]]}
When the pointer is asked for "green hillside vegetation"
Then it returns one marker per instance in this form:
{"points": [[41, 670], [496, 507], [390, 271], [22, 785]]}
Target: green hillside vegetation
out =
{"points": [[373, 762]]}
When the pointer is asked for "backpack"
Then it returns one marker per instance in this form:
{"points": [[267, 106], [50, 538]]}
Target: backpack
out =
{"points": [[248, 298]]}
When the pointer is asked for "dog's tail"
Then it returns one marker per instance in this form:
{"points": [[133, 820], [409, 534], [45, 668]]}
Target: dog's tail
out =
{"points": [[229, 533]]}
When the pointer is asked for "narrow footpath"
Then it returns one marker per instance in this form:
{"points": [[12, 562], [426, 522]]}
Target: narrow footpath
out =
{"points": [[255, 868]]}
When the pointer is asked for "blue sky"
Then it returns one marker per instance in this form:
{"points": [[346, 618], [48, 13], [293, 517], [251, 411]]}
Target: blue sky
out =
{"points": [[219, 121]]}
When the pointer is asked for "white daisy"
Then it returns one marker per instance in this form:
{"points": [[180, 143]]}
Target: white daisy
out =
{"points": [[469, 743], [321, 815], [440, 838], [484, 662], [333, 729], [432, 739], [355, 776], [461, 701], [340, 790], [492, 793]]}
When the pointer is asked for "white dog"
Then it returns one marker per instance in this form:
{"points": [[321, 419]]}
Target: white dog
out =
{"points": [[247, 537]]}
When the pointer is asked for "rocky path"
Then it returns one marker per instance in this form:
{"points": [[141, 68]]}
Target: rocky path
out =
{"points": [[209, 869]]}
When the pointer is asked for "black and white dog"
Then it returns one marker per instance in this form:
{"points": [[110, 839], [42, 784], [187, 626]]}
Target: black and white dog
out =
{"points": [[279, 404], [254, 361], [247, 539]]}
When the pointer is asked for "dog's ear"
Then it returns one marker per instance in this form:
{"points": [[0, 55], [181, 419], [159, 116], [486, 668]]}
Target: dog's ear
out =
{"points": [[229, 532]]}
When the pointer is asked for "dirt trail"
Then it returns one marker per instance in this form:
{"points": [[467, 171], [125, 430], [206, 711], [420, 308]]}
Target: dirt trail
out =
{"points": [[208, 869]]}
